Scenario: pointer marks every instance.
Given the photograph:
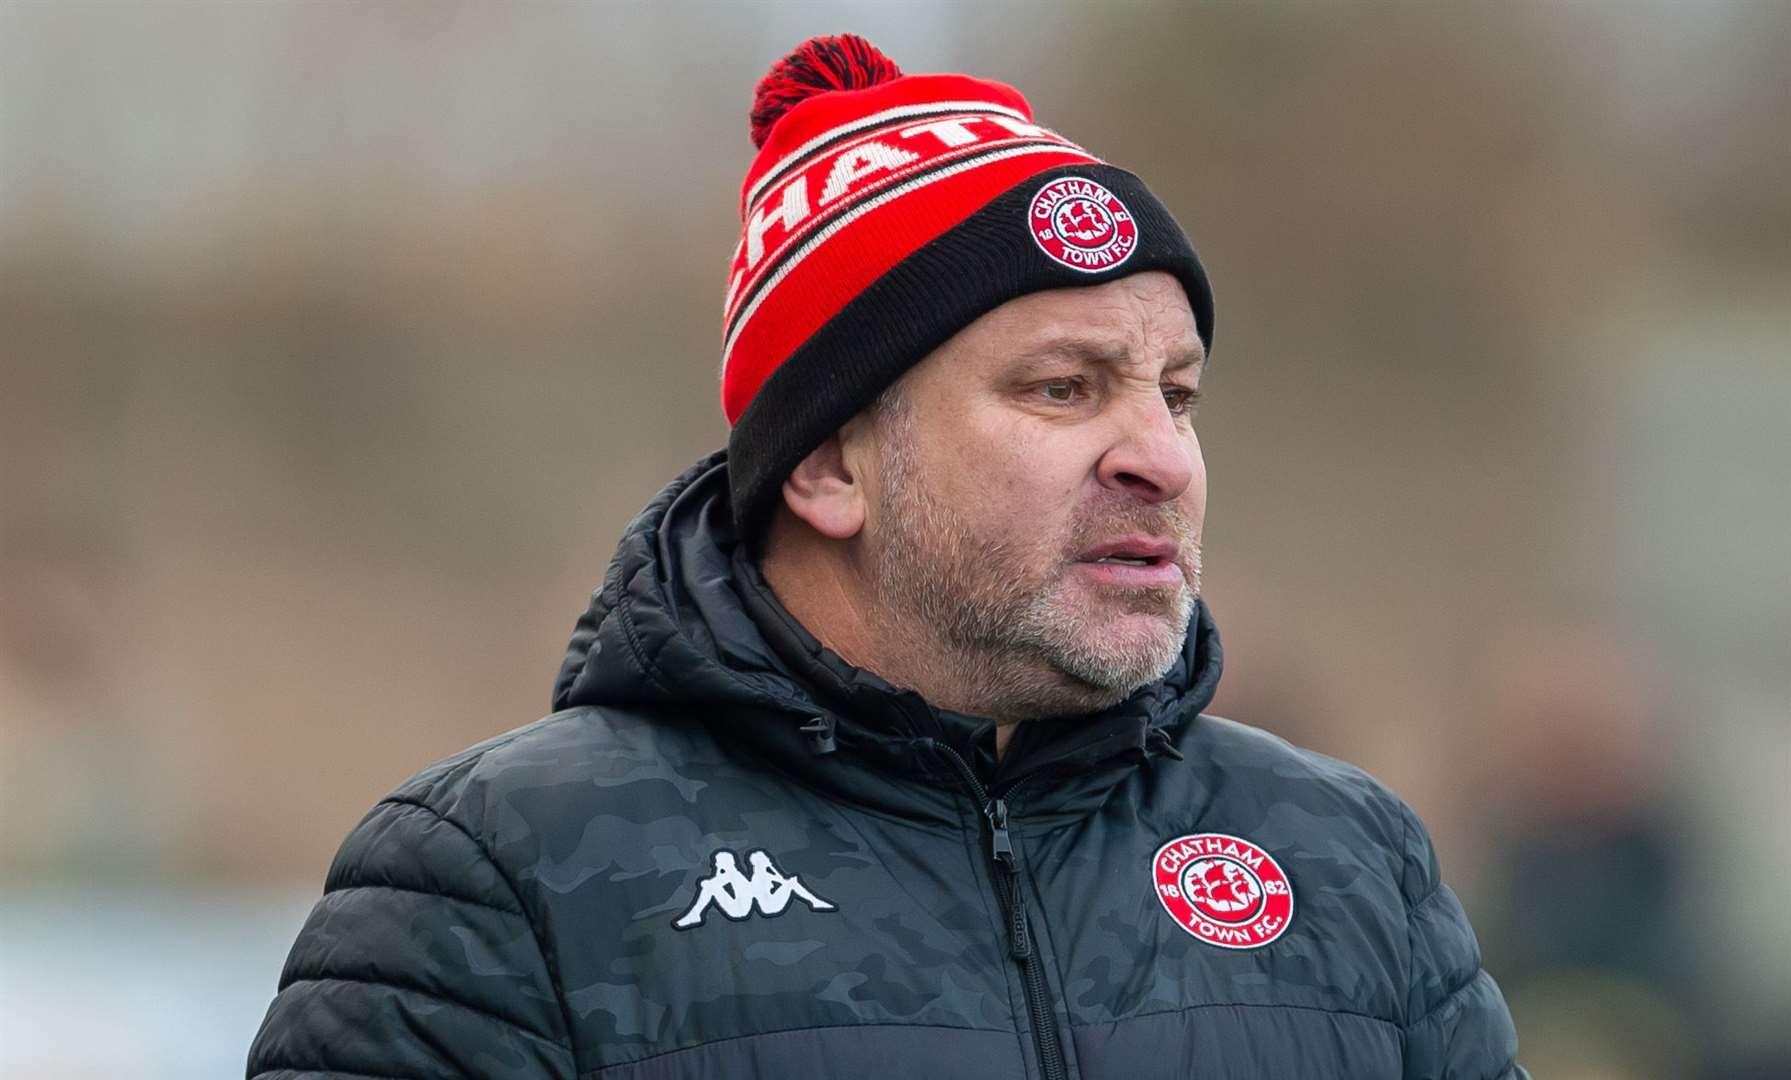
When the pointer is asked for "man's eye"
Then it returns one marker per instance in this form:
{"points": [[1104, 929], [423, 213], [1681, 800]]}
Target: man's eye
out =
{"points": [[1181, 400], [1060, 389]]}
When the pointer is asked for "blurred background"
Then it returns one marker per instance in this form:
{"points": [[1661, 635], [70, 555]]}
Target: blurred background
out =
{"points": [[338, 342]]}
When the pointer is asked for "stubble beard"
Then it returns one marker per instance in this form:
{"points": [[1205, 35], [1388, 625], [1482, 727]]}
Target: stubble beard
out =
{"points": [[982, 616]]}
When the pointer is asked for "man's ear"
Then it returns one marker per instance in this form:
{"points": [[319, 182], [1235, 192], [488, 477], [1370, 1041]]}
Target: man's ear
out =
{"points": [[824, 491]]}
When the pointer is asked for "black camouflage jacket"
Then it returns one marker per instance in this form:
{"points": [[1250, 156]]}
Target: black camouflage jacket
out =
{"points": [[730, 855]]}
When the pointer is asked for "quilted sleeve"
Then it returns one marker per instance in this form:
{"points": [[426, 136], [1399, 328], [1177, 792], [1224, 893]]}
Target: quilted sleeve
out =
{"points": [[1457, 1025], [418, 962]]}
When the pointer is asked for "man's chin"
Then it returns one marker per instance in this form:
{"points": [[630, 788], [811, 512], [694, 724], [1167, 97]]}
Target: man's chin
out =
{"points": [[1136, 612], [1123, 652], [1103, 588]]}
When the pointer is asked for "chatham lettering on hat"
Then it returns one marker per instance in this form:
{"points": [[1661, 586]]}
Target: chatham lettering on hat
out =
{"points": [[880, 154], [791, 209], [953, 133], [859, 162]]}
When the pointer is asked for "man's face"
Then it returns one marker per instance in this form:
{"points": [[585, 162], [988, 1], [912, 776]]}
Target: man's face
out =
{"points": [[1039, 493]]}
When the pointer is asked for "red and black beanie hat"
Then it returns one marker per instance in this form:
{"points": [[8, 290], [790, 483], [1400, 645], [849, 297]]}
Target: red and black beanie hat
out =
{"points": [[883, 214]]}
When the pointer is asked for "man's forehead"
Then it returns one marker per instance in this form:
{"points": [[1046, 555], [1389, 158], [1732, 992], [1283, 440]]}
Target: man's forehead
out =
{"points": [[1137, 319], [1054, 345]]}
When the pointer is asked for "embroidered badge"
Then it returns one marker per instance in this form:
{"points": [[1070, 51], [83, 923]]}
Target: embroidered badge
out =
{"points": [[1082, 225], [1224, 890], [766, 890]]}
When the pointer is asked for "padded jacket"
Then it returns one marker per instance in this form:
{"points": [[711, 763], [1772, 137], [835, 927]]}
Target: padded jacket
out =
{"points": [[730, 854]]}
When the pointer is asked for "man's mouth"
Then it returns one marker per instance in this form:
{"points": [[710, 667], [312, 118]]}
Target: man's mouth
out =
{"points": [[1132, 551], [1136, 560]]}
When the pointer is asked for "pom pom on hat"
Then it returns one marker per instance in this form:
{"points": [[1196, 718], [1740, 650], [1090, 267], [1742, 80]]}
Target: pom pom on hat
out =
{"points": [[820, 64]]}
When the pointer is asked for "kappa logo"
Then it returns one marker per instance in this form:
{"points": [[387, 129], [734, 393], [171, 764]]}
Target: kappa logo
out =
{"points": [[1082, 225], [1224, 890], [767, 890]]}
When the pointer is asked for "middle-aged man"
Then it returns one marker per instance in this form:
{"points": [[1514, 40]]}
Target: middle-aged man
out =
{"points": [[879, 752]]}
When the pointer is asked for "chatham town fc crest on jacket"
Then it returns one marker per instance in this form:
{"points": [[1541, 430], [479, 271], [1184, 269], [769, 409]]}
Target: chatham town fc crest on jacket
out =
{"points": [[766, 890], [1223, 889]]}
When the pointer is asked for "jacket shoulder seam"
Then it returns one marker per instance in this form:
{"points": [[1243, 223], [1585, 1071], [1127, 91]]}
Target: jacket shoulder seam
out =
{"points": [[1406, 817], [541, 944], [278, 1069], [412, 988], [1466, 984], [1430, 895], [1245, 1005], [453, 897], [589, 1074], [440, 771], [1411, 945]]}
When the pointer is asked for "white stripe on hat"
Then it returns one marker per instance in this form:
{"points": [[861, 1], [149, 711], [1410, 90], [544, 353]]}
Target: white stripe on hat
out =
{"points": [[746, 280], [790, 159], [832, 227]]}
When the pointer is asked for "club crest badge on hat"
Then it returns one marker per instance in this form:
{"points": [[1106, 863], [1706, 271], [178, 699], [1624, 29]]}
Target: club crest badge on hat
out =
{"points": [[1224, 890], [1082, 225]]}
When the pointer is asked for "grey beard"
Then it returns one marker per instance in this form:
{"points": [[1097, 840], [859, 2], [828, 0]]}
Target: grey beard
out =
{"points": [[1015, 649]]}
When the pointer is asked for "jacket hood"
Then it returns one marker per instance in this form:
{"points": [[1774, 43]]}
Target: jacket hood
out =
{"points": [[684, 624]]}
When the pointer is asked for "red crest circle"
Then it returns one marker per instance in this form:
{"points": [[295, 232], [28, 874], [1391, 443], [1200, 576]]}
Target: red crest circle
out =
{"points": [[1223, 889], [1082, 225]]}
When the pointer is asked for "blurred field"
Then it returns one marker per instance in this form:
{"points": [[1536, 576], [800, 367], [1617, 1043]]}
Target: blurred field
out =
{"points": [[340, 342]]}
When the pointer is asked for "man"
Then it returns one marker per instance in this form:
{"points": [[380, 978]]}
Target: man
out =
{"points": [[924, 650]]}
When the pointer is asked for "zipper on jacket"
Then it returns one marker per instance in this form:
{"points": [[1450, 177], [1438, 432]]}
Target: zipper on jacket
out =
{"points": [[1010, 889], [1002, 845]]}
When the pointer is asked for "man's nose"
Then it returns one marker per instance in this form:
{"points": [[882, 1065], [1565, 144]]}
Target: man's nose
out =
{"points": [[1152, 457]]}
